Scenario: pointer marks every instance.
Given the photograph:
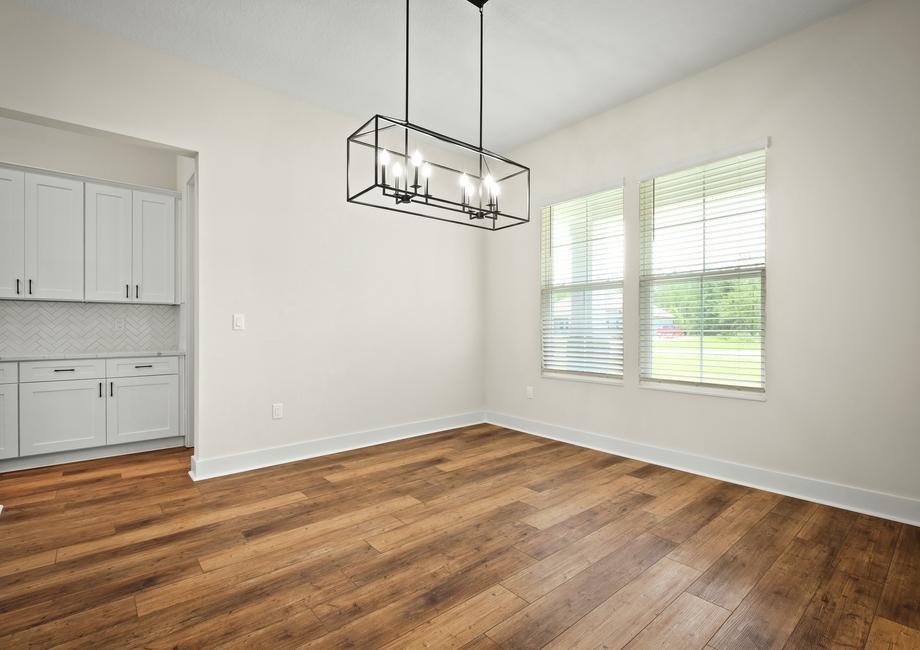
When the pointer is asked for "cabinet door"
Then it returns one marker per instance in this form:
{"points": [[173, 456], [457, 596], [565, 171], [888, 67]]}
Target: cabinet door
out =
{"points": [[143, 408], [9, 421], [154, 248], [61, 415], [54, 238], [12, 232], [108, 244]]}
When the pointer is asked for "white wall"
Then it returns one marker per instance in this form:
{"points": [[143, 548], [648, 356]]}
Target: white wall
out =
{"points": [[47, 147], [356, 319], [841, 101]]}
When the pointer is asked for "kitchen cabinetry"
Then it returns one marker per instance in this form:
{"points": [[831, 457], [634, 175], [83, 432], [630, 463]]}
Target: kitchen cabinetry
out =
{"points": [[126, 252], [130, 245], [9, 411], [68, 405], [53, 238]]}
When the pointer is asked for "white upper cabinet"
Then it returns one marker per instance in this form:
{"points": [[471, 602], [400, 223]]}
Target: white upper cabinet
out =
{"points": [[154, 248], [53, 238], [12, 233], [63, 239], [109, 244]]}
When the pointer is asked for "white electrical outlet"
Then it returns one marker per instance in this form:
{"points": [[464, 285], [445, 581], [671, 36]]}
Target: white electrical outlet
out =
{"points": [[530, 392], [239, 321], [277, 411]]}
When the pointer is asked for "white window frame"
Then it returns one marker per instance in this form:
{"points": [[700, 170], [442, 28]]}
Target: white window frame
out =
{"points": [[703, 388], [575, 375]]}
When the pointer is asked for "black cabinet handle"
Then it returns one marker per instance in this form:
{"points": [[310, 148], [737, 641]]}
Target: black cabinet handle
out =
{"points": [[65, 370], [137, 291], [17, 286], [111, 389], [100, 389], [127, 291], [147, 366], [30, 286]]}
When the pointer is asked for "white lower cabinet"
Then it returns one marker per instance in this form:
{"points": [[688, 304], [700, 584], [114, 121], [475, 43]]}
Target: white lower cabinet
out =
{"points": [[61, 416], [142, 408], [9, 420], [68, 405]]}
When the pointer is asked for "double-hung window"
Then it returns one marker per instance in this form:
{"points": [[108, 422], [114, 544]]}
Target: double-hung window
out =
{"points": [[582, 285], [702, 275]]}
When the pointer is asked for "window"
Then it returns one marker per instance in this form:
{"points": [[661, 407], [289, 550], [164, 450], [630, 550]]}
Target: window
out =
{"points": [[702, 274], [582, 285]]}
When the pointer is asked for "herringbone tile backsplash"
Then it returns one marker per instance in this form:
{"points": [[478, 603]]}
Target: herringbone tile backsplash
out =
{"points": [[51, 327]]}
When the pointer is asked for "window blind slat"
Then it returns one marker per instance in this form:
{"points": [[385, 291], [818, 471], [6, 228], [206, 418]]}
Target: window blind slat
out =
{"points": [[582, 279], [702, 274]]}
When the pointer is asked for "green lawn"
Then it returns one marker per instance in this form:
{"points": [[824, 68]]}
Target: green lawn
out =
{"points": [[728, 360]]}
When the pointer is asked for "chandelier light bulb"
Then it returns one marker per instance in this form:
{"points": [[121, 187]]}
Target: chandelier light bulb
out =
{"points": [[464, 180], [426, 170], [384, 157], [416, 158], [496, 189], [397, 170], [488, 181]]}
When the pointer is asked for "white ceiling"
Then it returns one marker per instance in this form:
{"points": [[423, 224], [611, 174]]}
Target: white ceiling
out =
{"points": [[549, 63]]}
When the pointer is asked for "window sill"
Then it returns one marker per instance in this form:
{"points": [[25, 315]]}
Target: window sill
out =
{"points": [[586, 379], [705, 390]]}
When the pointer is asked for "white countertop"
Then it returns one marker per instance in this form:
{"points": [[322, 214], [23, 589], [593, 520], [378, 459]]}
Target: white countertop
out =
{"points": [[91, 355]]}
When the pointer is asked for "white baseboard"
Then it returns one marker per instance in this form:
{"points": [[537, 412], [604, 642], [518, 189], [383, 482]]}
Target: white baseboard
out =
{"points": [[205, 468], [878, 504], [77, 455]]}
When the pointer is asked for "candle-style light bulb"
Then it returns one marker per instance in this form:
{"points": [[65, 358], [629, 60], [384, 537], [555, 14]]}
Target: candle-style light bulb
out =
{"points": [[426, 172], [464, 188], [397, 171], [384, 158], [416, 158]]}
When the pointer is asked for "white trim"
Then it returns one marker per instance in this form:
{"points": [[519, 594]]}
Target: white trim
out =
{"points": [[584, 378], [878, 504], [205, 468], [714, 155], [91, 179], [711, 391], [93, 453]]}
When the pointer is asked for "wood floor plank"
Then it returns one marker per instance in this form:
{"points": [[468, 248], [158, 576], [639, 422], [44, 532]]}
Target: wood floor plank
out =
{"points": [[549, 616], [888, 635], [839, 614], [732, 576], [462, 624], [478, 538], [768, 614], [687, 623], [617, 620]]}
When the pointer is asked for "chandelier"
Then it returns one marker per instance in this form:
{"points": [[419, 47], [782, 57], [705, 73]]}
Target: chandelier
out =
{"points": [[397, 165]]}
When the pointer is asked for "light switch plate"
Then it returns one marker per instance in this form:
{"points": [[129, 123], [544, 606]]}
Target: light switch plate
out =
{"points": [[239, 321], [277, 411], [530, 392]]}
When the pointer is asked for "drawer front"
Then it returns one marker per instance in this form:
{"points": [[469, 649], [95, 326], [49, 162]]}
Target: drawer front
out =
{"points": [[9, 372], [61, 370], [142, 366]]}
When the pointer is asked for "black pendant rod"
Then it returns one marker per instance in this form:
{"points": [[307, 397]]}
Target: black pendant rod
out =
{"points": [[406, 143], [480, 91]]}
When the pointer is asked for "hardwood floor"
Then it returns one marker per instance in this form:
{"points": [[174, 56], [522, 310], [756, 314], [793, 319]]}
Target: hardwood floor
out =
{"points": [[476, 538]]}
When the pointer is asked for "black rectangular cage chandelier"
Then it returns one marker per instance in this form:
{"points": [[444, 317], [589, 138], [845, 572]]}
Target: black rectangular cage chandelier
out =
{"points": [[397, 165]]}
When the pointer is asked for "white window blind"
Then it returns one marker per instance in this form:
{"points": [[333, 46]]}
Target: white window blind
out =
{"points": [[582, 285], [702, 274]]}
